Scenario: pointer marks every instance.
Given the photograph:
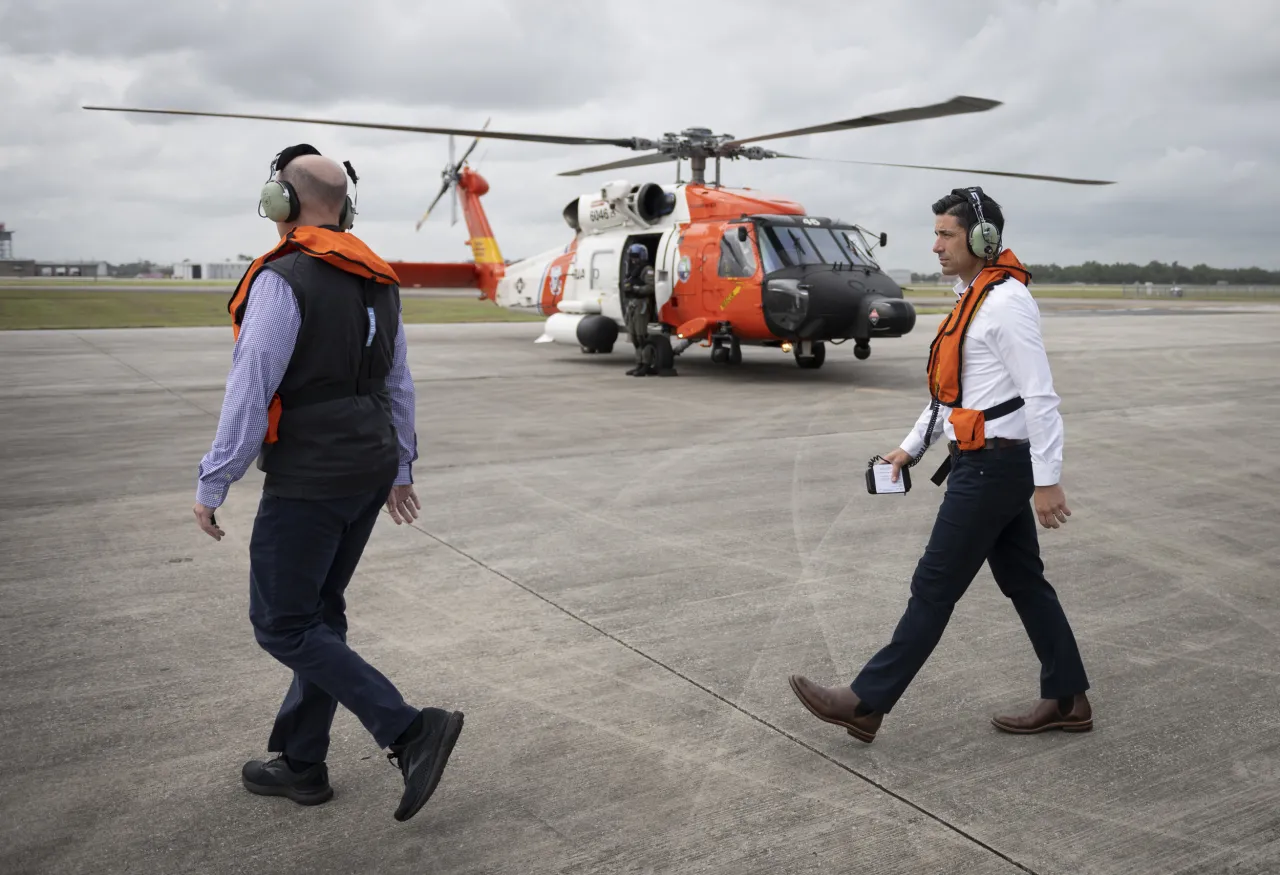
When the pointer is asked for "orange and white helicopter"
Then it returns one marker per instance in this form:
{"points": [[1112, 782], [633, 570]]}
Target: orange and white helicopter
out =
{"points": [[732, 267]]}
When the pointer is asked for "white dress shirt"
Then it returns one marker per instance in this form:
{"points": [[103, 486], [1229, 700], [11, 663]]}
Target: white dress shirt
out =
{"points": [[1004, 357]]}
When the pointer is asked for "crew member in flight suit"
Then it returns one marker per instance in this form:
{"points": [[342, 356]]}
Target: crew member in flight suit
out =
{"points": [[993, 397], [637, 296]]}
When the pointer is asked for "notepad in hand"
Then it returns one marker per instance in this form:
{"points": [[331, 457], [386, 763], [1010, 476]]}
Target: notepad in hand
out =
{"points": [[880, 482]]}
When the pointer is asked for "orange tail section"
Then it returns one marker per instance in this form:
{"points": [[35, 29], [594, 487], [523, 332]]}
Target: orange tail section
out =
{"points": [[487, 268]]}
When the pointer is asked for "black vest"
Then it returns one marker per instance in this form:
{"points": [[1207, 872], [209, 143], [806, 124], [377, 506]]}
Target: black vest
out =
{"points": [[335, 437]]}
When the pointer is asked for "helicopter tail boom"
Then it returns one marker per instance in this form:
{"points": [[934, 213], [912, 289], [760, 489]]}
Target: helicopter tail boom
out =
{"points": [[426, 275], [487, 266], [471, 187]]}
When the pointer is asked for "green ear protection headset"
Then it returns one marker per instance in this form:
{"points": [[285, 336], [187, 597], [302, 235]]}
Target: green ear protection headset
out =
{"points": [[278, 200], [984, 237]]}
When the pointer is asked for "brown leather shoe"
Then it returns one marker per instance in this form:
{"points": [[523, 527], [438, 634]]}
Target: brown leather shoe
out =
{"points": [[836, 705], [1045, 715]]}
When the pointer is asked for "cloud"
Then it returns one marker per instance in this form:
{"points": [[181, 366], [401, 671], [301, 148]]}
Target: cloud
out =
{"points": [[1175, 101], [313, 54]]}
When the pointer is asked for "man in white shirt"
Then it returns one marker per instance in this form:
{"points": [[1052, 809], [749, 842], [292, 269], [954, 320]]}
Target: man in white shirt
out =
{"points": [[994, 399]]}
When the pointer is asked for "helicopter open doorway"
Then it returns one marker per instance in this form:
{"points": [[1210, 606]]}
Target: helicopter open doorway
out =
{"points": [[652, 244]]}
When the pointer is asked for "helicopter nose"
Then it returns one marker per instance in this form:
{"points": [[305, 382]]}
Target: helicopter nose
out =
{"points": [[835, 304]]}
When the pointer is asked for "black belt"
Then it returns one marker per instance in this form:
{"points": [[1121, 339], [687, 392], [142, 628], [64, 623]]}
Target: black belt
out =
{"points": [[1004, 408], [991, 444]]}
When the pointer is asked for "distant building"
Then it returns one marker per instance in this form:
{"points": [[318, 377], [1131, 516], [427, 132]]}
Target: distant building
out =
{"points": [[29, 268], [210, 270], [13, 267]]}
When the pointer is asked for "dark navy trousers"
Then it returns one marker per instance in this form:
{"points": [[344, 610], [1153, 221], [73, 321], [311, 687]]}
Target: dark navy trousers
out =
{"points": [[986, 516], [301, 558]]}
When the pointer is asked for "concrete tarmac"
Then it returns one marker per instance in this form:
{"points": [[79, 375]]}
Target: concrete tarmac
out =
{"points": [[919, 297], [612, 577]]}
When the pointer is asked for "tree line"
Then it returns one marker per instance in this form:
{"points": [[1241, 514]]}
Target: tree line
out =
{"points": [[1127, 274]]}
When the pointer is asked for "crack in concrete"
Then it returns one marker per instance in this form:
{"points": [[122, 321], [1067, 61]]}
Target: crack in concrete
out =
{"points": [[142, 374]]}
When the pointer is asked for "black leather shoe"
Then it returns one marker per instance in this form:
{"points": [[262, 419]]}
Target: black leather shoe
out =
{"points": [[422, 758], [275, 778]]}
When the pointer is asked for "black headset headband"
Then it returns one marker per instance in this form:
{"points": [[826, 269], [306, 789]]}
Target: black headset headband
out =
{"points": [[284, 156], [974, 196]]}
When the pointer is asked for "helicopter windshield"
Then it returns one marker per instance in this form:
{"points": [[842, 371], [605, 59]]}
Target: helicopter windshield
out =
{"points": [[794, 245]]}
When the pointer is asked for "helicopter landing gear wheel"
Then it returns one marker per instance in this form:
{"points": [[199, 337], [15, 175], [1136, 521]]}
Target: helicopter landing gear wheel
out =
{"points": [[664, 358], [727, 352], [814, 361]]}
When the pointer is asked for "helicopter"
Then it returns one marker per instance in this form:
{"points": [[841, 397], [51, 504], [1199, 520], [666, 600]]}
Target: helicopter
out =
{"points": [[733, 267]]}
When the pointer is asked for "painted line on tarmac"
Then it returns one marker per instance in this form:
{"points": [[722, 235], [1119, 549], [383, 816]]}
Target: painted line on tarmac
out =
{"points": [[734, 705]]}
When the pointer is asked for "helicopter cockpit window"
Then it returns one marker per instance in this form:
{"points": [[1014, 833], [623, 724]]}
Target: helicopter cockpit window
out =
{"points": [[792, 245], [788, 246], [830, 248], [737, 257], [854, 244]]}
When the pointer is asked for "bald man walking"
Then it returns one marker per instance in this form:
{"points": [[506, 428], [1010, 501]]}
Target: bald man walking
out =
{"points": [[320, 393]]}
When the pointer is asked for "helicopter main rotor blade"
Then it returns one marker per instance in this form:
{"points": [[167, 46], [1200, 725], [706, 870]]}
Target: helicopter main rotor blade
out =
{"points": [[453, 208], [954, 106], [461, 132], [639, 160], [1066, 179], [472, 147]]}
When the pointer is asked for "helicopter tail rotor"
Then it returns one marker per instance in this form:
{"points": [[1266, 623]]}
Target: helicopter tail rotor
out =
{"points": [[444, 189], [451, 174]]}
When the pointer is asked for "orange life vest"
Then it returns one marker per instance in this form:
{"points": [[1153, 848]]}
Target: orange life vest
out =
{"points": [[341, 249], [946, 354]]}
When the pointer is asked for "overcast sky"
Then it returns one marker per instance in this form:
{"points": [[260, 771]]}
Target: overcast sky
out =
{"points": [[1178, 102]]}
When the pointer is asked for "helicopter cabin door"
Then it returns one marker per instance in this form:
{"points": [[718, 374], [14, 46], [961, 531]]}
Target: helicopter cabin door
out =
{"points": [[688, 272], [602, 280], [681, 257], [729, 267]]}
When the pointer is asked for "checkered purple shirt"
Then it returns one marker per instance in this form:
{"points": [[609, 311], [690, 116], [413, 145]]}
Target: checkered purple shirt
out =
{"points": [[258, 362]]}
